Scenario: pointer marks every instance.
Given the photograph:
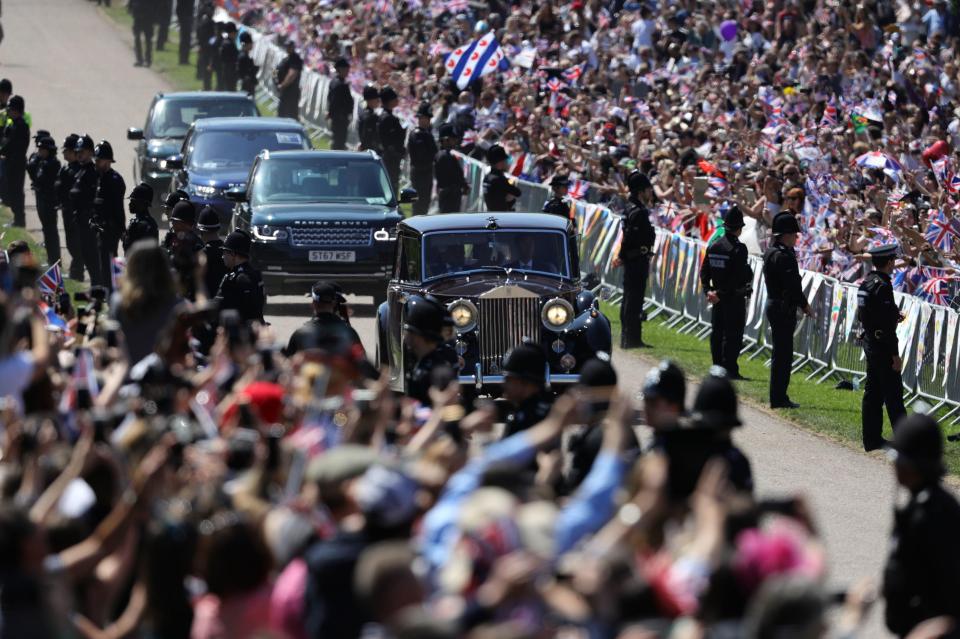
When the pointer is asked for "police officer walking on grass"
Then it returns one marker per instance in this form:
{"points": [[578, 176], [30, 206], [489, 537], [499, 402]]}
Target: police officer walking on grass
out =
{"points": [[499, 191], [208, 223], [109, 219], [368, 121], [558, 205], [242, 286], [423, 152], [65, 180], [392, 136], [636, 249], [727, 282], [785, 297], [142, 226], [451, 183], [879, 315], [340, 105]]}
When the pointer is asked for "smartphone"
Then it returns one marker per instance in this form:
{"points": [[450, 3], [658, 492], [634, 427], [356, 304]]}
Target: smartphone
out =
{"points": [[700, 186], [748, 196]]}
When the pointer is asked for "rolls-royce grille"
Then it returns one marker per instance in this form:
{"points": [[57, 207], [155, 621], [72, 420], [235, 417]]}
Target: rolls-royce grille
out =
{"points": [[326, 236], [503, 323]]}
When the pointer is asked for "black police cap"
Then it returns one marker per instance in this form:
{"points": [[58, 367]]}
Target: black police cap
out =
{"points": [[716, 402], [387, 94], [371, 92], [6, 86], [142, 192], [423, 317], [560, 180], [598, 372], [70, 142], [209, 219], [238, 242], [47, 143], [448, 131], [424, 110], [246, 38], [16, 103], [85, 143], [174, 197], [341, 63], [104, 151], [918, 441], [324, 292], [496, 154], [447, 318], [785, 223], [733, 219], [40, 134], [637, 182], [185, 212], [526, 361], [666, 381]]}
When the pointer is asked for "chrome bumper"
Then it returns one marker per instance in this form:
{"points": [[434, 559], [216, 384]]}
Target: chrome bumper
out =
{"points": [[478, 379]]}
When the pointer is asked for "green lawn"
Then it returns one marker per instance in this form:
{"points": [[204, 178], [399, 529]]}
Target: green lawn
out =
{"points": [[10, 233], [823, 409]]}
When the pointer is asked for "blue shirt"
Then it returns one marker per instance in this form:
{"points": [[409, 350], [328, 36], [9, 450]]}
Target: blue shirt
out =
{"points": [[592, 505]]}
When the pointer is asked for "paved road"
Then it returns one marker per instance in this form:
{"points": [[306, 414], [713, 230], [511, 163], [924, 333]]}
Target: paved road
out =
{"points": [[75, 70]]}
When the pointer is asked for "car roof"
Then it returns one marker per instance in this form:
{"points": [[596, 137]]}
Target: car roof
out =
{"points": [[313, 153], [205, 96], [482, 221], [247, 124]]}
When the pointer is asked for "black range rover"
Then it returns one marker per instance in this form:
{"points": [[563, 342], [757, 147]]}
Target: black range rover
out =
{"points": [[321, 214]]}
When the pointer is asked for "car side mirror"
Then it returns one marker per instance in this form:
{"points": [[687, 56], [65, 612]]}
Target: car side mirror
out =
{"points": [[408, 195], [134, 134], [173, 163], [236, 194]]}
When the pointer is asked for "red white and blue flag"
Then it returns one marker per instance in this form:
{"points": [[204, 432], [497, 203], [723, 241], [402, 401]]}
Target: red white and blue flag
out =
{"points": [[555, 84], [940, 233], [578, 189], [573, 74], [935, 291], [477, 59], [51, 282], [829, 115]]}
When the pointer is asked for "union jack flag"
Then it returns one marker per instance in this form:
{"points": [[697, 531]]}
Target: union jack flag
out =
{"points": [[573, 74], [51, 282], [829, 115], [578, 189], [717, 184], [934, 290], [555, 84], [940, 233], [907, 279]]}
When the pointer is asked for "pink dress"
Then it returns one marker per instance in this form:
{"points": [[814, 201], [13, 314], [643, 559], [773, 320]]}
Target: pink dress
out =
{"points": [[238, 617]]}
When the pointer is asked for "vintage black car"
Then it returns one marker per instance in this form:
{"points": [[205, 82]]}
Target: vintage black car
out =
{"points": [[504, 277]]}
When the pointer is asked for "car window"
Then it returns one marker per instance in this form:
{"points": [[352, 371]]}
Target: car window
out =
{"points": [[531, 251], [319, 178], [410, 259], [238, 149], [172, 118]]}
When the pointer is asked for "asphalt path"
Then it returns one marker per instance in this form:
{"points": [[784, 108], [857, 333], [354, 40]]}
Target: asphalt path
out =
{"points": [[75, 69]]}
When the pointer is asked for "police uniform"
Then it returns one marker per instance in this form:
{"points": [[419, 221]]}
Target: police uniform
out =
{"points": [[242, 287], [425, 318], [144, 17], [65, 180], [557, 205], [528, 362], [339, 107], [43, 174], [392, 136], [13, 148], [725, 272], [451, 183], [921, 578], [878, 314], [423, 150], [368, 121], [82, 196], [206, 34], [323, 328], [289, 104], [247, 70], [164, 16], [781, 273], [185, 19], [142, 226], [499, 192], [208, 221], [636, 249], [183, 247], [229, 55], [715, 409], [109, 217]]}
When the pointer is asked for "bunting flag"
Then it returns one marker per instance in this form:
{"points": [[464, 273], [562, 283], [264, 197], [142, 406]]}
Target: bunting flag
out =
{"points": [[937, 334], [851, 314], [911, 309], [681, 262], [692, 264], [951, 340], [479, 58], [924, 323], [835, 306]]}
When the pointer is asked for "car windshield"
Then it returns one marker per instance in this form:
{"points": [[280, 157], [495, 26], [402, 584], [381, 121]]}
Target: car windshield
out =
{"points": [[237, 149], [172, 118], [321, 179], [531, 251]]}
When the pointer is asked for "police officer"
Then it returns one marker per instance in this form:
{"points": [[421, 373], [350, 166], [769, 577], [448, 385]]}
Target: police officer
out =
{"points": [[781, 273], [169, 202], [206, 37], [340, 105], [242, 286], [185, 20], [727, 281], [208, 223], [423, 339], [246, 69], [423, 151], [524, 371], [368, 121], [922, 576], [142, 226], [499, 192], [557, 205], [715, 409], [879, 316], [144, 17], [183, 245], [82, 196], [228, 57], [451, 183], [636, 249], [287, 77], [326, 326], [44, 168], [392, 136], [164, 10], [65, 180], [109, 219], [664, 396], [13, 149]]}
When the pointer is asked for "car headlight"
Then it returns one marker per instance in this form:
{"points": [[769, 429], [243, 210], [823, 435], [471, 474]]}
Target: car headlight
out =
{"points": [[557, 314], [464, 314], [267, 233], [205, 191]]}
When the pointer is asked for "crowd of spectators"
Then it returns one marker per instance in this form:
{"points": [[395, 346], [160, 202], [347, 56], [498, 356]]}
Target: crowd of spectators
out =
{"points": [[766, 105]]}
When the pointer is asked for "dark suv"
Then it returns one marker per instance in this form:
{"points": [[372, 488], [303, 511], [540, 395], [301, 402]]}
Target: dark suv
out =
{"points": [[168, 121], [321, 214], [218, 153]]}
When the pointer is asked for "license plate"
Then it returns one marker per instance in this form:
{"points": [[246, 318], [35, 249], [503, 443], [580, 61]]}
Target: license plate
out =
{"points": [[333, 256]]}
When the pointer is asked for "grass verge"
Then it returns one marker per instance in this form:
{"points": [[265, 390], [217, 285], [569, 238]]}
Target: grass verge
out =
{"points": [[10, 233], [823, 409]]}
